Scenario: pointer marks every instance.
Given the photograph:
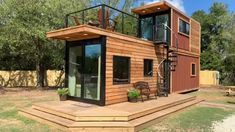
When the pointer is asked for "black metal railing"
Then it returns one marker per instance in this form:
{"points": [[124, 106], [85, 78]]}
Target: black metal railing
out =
{"points": [[161, 34], [106, 17]]}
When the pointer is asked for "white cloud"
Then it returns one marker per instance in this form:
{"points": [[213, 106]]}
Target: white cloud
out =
{"points": [[179, 4]]}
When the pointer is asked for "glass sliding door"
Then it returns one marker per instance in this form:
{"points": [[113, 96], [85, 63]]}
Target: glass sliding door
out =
{"points": [[75, 69], [84, 70], [92, 72], [162, 21]]}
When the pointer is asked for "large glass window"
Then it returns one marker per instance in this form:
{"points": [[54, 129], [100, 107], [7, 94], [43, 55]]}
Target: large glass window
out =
{"points": [[92, 70], [148, 67], [84, 71], [75, 69], [184, 27], [162, 32], [147, 28], [121, 69]]}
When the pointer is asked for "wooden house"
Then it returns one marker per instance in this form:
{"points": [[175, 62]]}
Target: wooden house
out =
{"points": [[108, 50]]}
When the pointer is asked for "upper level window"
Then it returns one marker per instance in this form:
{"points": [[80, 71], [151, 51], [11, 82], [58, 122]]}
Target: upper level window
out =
{"points": [[184, 27], [148, 67], [193, 69], [147, 28], [121, 69]]}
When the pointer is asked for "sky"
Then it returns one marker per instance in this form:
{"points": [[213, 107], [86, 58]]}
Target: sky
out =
{"points": [[190, 6]]}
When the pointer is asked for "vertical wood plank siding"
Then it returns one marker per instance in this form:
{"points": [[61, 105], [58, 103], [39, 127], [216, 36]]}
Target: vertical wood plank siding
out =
{"points": [[195, 36]]}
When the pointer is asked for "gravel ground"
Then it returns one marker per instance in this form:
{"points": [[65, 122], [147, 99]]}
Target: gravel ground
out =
{"points": [[227, 125]]}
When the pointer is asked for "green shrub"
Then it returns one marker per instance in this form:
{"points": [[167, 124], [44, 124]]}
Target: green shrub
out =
{"points": [[133, 93], [63, 91]]}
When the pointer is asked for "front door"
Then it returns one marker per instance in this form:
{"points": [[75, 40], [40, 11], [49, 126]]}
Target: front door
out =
{"points": [[84, 70]]}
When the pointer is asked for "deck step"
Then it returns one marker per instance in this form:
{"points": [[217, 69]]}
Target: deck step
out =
{"points": [[69, 125], [151, 119], [163, 107], [43, 116], [126, 117], [135, 121]]}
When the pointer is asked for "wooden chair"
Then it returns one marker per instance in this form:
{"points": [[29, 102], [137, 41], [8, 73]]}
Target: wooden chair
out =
{"points": [[110, 23], [144, 89], [76, 20]]}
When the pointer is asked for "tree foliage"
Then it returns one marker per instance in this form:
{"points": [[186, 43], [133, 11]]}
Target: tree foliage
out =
{"points": [[23, 27], [217, 40]]}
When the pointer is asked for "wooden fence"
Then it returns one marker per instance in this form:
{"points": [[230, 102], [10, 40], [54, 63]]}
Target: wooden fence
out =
{"points": [[28, 78]]}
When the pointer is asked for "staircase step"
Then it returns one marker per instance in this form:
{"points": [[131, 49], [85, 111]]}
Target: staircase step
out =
{"points": [[139, 118], [50, 111], [172, 56], [153, 109], [151, 119], [69, 125], [46, 118]]}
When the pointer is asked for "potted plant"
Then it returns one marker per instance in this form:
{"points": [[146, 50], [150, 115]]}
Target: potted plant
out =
{"points": [[133, 95], [63, 92]]}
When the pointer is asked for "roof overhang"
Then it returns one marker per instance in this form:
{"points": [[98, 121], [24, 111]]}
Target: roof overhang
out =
{"points": [[151, 8], [83, 32], [74, 33], [156, 7]]}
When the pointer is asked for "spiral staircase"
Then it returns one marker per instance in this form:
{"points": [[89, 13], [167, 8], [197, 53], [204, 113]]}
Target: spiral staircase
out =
{"points": [[168, 56]]}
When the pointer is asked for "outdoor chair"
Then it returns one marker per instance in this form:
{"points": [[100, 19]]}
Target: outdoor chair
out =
{"points": [[76, 20], [110, 23], [144, 89]]}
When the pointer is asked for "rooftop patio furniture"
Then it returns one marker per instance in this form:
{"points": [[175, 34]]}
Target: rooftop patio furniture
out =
{"points": [[76, 20], [144, 89], [110, 24]]}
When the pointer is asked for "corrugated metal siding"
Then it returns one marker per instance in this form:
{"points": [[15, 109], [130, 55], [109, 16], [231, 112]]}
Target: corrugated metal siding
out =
{"points": [[183, 40], [181, 78]]}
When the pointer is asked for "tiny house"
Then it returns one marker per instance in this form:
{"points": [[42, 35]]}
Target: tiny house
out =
{"points": [[107, 50]]}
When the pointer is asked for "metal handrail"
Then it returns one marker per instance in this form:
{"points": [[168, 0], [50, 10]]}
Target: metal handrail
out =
{"points": [[103, 6]]}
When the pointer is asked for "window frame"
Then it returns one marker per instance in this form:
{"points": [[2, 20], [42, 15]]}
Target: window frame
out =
{"points": [[129, 68], [151, 60], [195, 69], [185, 34]]}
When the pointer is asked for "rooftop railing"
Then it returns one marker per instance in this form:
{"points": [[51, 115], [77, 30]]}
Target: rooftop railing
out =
{"points": [[106, 17]]}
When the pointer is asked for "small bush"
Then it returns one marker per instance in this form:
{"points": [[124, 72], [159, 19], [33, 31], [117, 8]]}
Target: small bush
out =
{"points": [[133, 93], [63, 91]]}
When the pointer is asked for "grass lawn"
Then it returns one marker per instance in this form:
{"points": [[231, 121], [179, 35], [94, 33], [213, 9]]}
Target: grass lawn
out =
{"points": [[10, 103], [193, 119], [214, 95], [196, 118]]}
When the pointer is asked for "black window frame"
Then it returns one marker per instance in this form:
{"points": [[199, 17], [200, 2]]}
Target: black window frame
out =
{"points": [[193, 69], [145, 72], [128, 66], [184, 27]]}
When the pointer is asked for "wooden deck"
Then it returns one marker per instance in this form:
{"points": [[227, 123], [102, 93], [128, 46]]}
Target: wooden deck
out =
{"points": [[122, 117]]}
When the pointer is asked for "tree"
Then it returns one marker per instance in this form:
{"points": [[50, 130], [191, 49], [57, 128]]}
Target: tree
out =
{"points": [[25, 23], [215, 38]]}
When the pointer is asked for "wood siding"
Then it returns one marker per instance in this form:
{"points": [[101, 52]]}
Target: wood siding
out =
{"points": [[195, 37], [137, 51], [181, 77]]}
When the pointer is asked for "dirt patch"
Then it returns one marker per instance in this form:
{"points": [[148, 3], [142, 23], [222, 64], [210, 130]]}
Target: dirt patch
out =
{"points": [[226, 125], [5, 122]]}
